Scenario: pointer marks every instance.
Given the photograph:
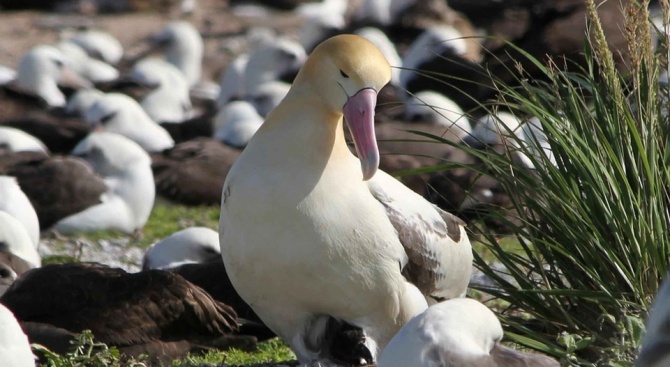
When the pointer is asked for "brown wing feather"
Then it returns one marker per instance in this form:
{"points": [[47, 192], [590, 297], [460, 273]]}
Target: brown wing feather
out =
{"points": [[193, 172], [57, 187], [212, 277], [119, 308], [15, 102], [10, 159], [439, 255], [424, 268], [56, 339], [197, 127], [59, 133]]}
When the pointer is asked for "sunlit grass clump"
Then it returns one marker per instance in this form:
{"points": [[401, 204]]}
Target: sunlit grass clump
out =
{"points": [[88, 353], [594, 224]]}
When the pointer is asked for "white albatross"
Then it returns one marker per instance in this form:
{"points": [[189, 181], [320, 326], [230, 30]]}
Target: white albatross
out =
{"points": [[188, 246], [236, 123], [42, 70], [169, 101], [120, 114], [14, 346], [16, 247], [182, 46], [126, 170], [15, 202], [20, 141], [309, 232], [456, 333], [98, 44]]}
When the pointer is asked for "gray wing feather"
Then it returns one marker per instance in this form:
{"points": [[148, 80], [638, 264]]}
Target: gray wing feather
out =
{"points": [[439, 252]]}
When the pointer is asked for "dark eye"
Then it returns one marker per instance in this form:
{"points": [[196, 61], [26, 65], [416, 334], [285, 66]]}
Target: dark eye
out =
{"points": [[5, 272], [344, 74], [105, 119], [59, 63], [211, 251], [289, 55]]}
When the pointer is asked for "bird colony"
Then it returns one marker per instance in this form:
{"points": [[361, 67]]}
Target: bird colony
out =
{"points": [[296, 129]]}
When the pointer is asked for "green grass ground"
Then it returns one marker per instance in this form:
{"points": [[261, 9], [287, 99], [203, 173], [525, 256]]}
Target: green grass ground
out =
{"points": [[168, 218]]}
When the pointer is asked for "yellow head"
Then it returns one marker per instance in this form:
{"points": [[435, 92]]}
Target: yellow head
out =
{"points": [[347, 72]]}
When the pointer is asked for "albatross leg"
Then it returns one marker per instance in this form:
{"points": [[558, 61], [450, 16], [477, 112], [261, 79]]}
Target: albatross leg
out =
{"points": [[309, 344], [326, 341]]}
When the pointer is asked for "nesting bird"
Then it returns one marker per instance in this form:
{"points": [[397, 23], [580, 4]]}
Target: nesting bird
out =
{"points": [[190, 245], [19, 141], [17, 252], [15, 202], [236, 123], [118, 113], [40, 72], [301, 214], [14, 346], [151, 312], [126, 171], [169, 101], [456, 333], [181, 45]]}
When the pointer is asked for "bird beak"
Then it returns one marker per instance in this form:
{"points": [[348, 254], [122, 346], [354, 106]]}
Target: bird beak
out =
{"points": [[359, 113], [69, 78]]}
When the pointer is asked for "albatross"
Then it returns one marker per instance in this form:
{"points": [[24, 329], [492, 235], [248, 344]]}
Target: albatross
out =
{"points": [[456, 333], [14, 346], [310, 233]]}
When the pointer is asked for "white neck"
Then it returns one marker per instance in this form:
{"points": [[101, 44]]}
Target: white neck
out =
{"points": [[300, 129], [45, 87], [135, 185]]}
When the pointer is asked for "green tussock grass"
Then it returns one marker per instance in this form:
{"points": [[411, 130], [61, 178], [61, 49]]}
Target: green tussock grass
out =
{"points": [[592, 245]]}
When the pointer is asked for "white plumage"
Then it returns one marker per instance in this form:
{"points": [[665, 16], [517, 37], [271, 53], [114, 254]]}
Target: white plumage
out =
{"points": [[456, 333], [126, 170], [308, 231], [14, 346], [430, 44], [236, 123], [40, 72], [183, 47], [120, 114], [81, 63], [15, 240], [433, 107], [190, 245], [99, 44], [19, 141], [15, 202], [169, 101]]}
